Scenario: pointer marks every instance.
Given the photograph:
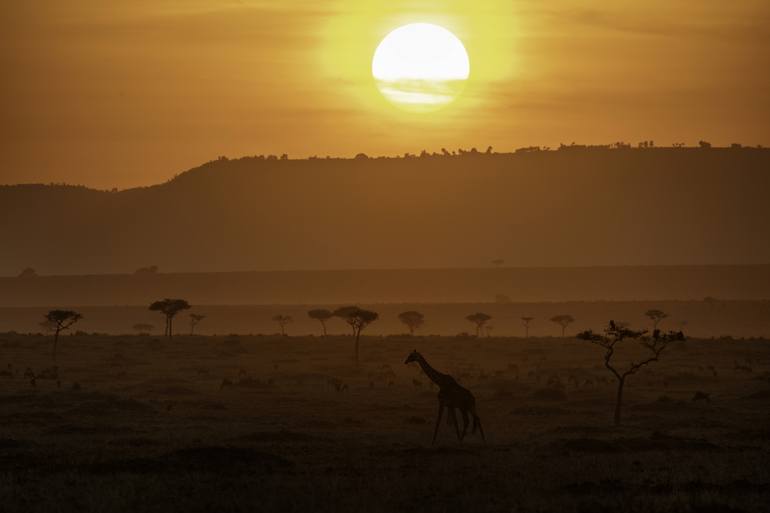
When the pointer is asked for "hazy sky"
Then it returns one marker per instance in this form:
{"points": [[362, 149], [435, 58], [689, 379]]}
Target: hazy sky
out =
{"points": [[130, 92]]}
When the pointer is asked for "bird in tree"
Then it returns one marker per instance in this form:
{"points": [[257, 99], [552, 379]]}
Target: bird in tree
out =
{"points": [[283, 321], [194, 320], [526, 322], [169, 308], [321, 315], [58, 321], [479, 319], [611, 341], [655, 316], [358, 319], [412, 319], [563, 321]]}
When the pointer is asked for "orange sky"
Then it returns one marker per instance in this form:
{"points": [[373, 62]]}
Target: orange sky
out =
{"points": [[130, 92]]}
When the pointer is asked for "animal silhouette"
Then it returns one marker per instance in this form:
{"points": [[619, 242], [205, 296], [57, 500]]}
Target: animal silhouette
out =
{"points": [[451, 396]]}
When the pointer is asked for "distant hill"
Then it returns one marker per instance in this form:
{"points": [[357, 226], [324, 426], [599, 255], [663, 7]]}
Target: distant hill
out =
{"points": [[571, 207], [704, 284]]}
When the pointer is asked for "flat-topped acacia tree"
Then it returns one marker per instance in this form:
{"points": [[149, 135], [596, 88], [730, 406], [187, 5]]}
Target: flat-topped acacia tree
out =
{"points": [[479, 319], [656, 316], [194, 320], [613, 338], [169, 308], [358, 319], [563, 320], [412, 319], [526, 321], [58, 321], [321, 315], [283, 321]]}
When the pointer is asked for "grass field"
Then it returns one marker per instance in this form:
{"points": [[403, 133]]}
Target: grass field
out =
{"points": [[142, 423]]}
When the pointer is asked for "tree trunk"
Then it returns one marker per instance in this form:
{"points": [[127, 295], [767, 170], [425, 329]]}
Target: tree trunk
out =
{"points": [[411, 330], [619, 400], [323, 325], [563, 328], [170, 327], [55, 342], [355, 355]]}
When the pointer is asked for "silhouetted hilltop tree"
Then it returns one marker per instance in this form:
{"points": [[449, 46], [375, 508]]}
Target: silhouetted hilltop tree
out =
{"points": [[169, 308], [152, 269], [656, 316], [283, 321], [526, 321], [195, 319], [563, 320], [704, 144], [28, 273], [58, 321], [321, 315], [479, 319], [412, 319], [611, 340], [358, 319]]}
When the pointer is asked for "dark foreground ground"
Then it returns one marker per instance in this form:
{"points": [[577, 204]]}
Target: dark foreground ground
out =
{"points": [[143, 424]]}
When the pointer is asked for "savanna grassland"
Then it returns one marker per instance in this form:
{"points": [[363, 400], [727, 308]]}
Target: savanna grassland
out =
{"points": [[268, 423]]}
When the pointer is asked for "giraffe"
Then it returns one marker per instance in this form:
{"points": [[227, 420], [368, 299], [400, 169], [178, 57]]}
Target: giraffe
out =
{"points": [[451, 396]]}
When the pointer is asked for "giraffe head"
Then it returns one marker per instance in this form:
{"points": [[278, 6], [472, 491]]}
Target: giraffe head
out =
{"points": [[413, 357]]}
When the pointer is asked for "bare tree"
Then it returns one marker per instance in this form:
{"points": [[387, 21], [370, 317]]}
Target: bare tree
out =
{"points": [[169, 308], [479, 319], [412, 319], [655, 316], [283, 321], [194, 320], [358, 319], [142, 328], [58, 321], [563, 320], [321, 315], [526, 322], [610, 340]]}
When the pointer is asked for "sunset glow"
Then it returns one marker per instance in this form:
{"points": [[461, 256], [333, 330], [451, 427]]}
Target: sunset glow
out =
{"points": [[420, 65]]}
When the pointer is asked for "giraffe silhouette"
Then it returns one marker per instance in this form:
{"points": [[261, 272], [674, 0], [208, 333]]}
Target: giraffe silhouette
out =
{"points": [[451, 396]]}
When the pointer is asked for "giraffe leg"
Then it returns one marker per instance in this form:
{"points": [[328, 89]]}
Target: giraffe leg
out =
{"points": [[438, 422], [477, 422], [453, 414], [465, 423]]}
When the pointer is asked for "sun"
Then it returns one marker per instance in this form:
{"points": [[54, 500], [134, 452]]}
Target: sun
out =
{"points": [[420, 66]]}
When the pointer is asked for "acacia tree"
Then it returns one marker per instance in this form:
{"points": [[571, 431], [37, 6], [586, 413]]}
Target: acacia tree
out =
{"points": [[526, 322], [58, 321], [169, 308], [479, 319], [563, 320], [358, 319], [610, 341], [655, 316], [321, 315], [412, 319], [194, 320], [283, 321]]}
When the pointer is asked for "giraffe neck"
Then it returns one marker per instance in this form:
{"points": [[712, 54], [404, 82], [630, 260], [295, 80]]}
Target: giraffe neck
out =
{"points": [[434, 375]]}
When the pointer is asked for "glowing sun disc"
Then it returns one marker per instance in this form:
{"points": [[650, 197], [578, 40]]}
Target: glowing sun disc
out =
{"points": [[420, 66]]}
